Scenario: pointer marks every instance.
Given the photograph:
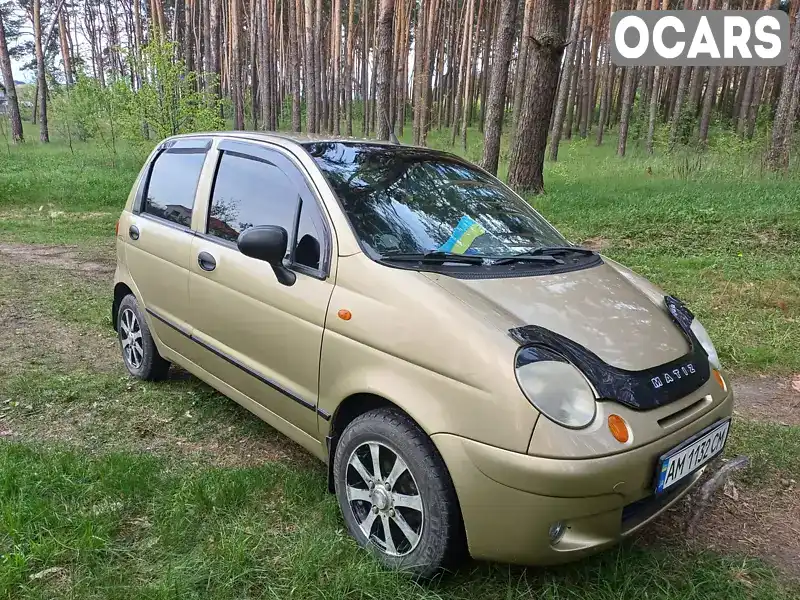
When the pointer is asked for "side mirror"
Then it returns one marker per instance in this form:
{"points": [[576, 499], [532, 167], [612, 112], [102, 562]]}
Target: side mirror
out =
{"points": [[267, 243]]}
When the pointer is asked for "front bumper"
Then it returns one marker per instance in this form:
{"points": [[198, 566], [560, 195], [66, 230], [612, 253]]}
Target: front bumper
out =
{"points": [[509, 500]]}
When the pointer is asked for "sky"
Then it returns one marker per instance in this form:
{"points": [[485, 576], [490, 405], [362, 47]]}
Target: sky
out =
{"points": [[19, 74]]}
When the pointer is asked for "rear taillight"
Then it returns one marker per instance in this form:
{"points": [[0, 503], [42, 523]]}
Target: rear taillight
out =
{"points": [[116, 228]]}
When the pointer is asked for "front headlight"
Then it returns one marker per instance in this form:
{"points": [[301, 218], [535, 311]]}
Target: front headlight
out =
{"points": [[559, 391], [705, 341]]}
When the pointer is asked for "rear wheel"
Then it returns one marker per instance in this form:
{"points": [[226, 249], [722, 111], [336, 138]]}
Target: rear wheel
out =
{"points": [[396, 495], [139, 352]]}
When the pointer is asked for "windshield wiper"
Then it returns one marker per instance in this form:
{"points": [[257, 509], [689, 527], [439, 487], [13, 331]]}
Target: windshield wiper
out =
{"points": [[525, 257], [545, 253], [434, 256], [554, 250]]}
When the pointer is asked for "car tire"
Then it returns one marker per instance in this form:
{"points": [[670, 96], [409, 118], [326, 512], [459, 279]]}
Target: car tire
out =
{"points": [[138, 348], [415, 499]]}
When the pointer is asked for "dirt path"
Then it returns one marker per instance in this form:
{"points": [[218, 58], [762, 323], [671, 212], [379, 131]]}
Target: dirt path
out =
{"points": [[169, 418], [62, 382], [769, 399]]}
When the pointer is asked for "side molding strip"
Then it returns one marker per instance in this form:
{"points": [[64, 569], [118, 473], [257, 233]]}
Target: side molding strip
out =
{"points": [[325, 415]]}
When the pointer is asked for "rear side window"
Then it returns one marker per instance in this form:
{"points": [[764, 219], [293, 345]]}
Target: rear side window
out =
{"points": [[172, 185], [249, 191]]}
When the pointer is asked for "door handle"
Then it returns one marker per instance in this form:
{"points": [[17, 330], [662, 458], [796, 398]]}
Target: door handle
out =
{"points": [[133, 232], [206, 261]]}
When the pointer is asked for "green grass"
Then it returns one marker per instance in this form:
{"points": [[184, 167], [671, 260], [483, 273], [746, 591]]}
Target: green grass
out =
{"points": [[106, 411], [131, 526]]}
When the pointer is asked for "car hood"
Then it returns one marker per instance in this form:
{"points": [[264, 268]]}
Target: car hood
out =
{"points": [[607, 309]]}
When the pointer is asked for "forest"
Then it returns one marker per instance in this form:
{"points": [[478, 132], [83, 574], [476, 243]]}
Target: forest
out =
{"points": [[536, 71]]}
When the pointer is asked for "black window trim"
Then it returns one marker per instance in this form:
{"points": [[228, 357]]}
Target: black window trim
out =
{"points": [[257, 151]]}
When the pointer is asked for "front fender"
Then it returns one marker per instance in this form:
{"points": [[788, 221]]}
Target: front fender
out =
{"points": [[498, 415]]}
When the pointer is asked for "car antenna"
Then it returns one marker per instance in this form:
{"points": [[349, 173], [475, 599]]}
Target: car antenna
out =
{"points": [[392, 136]]}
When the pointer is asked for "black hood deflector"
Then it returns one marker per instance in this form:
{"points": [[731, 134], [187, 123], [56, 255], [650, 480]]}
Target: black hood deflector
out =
{"points": [[640, 390]]}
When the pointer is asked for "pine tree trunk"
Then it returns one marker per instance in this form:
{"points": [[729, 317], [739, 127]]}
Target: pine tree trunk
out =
{"points": [[575, 75], [337, 65], [365, 66], [548, 34], [607, 89], [739, 88], [492, 16], [11, 89], [294, 65], [419, 49], [257, 71], [587, 93], [348, 67], [215, 43], [65, 52], [319, 67], [495, 102], [522, 66], [606, 81], [462, 75], [627, 102], [236, 65], [468, 73], [677, 111], [311, 95], [41, 81], [384, 70], [432, 20], [778, 155], [755, 101], [747, 99], [566, 75], [628, 92]]}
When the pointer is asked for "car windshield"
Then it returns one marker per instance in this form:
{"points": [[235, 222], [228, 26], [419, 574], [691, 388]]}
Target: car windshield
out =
{"points": [[403, 200]]}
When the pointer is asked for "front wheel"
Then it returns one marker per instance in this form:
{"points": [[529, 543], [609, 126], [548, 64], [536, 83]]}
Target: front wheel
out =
{"points": [[396, 495]]}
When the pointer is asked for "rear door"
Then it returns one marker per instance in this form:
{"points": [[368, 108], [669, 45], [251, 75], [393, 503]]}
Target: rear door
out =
{"points": [[159, 238], [260, 336]]}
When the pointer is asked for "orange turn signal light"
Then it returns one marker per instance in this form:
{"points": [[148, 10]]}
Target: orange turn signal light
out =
{"points": [[345, 315], [116, 228], [618, 428], [719, 379]]}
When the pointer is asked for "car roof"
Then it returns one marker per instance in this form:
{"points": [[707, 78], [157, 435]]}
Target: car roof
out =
{"points": [[285, 136]]}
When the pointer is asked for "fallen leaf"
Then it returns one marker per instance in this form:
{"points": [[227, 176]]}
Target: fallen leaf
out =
{"points": [[782, 304], [46, 573]]}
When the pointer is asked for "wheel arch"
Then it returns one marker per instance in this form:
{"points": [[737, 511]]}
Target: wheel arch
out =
{"points": [[346, 412], [121, 290]]}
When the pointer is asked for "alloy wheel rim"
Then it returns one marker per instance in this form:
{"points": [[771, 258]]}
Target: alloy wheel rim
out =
{"points": [[384, 498], [130, 336]]}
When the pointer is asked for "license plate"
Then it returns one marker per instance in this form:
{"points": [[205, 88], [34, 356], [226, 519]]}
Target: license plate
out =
{"points": [[686, 458]]}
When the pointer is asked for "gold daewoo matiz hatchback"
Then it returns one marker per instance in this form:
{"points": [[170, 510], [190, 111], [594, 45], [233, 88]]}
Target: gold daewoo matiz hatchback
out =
{"points": [[472, 380]]}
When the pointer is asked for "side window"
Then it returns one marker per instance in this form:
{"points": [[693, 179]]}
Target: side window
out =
{"points": [[172, 185], [250, 191], [247, 192], [308, 250]]}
